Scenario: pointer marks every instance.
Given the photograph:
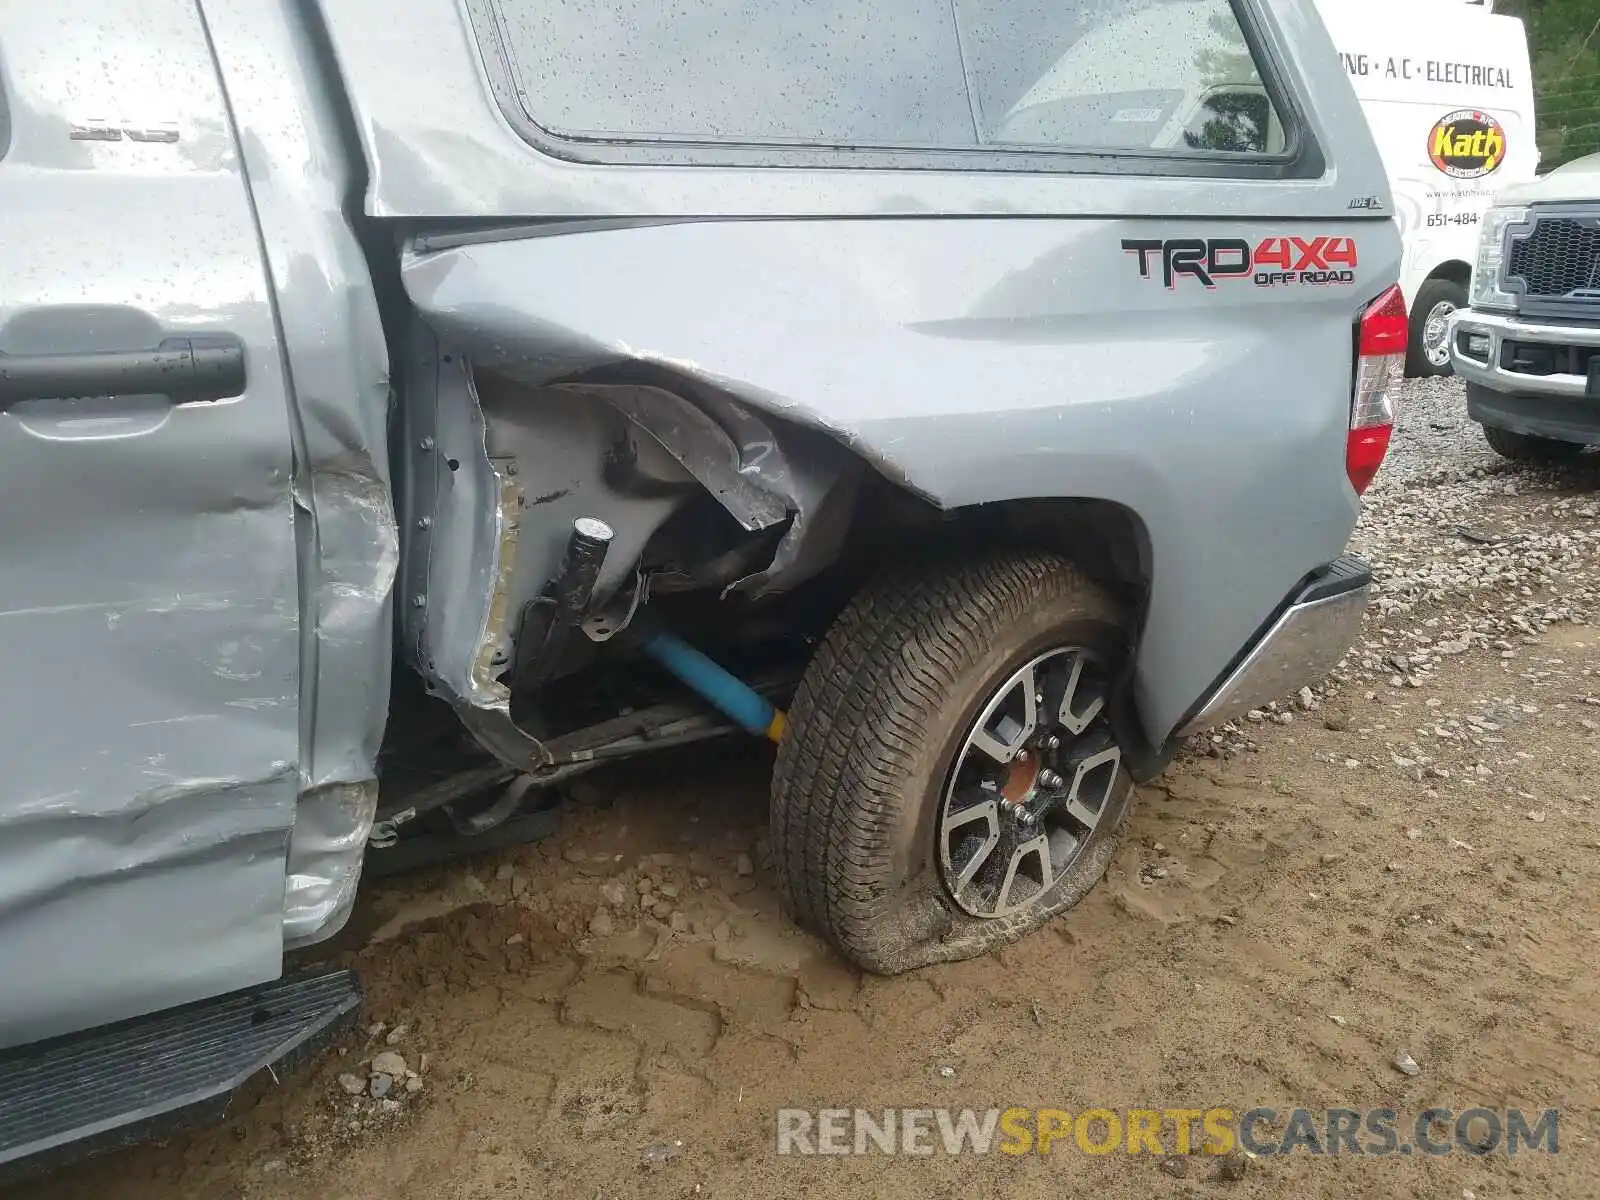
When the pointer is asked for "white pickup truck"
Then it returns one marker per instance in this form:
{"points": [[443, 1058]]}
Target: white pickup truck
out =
{"points": [[1529, 347]]}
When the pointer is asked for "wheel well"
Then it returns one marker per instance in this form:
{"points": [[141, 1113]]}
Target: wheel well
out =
{"points": [[1455, 271], [889, 524], [1105, 539]]}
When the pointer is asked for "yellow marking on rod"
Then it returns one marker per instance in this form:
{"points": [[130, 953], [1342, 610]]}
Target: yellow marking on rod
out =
{"points": [[776, 727]]}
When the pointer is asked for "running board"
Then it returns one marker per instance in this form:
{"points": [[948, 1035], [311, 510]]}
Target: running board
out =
{"points": [[71, 1097]]}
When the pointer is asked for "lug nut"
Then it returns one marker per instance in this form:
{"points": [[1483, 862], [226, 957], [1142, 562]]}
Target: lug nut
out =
{"points": [[1052, 742], [1017, 812], [1049, 779]]}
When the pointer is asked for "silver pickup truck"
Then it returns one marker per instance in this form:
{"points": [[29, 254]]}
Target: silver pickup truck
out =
{"points": [[406, 408]]}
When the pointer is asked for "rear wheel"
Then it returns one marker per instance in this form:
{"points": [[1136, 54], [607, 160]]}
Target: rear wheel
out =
{"points": [[1525, 447], [949, 779], [1429, 352]]}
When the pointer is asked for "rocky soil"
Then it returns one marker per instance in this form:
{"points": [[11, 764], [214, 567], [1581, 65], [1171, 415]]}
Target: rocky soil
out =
{"points": [[1381, 892]]}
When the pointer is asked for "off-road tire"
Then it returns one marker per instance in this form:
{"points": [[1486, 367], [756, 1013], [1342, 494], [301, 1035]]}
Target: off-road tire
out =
{"points": [[1525, 447], [879, 716]]}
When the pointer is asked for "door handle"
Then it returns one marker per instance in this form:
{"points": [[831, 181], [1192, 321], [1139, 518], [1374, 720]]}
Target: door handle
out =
{"points": [[182, 369]]}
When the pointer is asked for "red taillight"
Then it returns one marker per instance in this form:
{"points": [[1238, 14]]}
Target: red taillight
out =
{"points": [[1364, 453], [1380, 364], [1383, 325]]}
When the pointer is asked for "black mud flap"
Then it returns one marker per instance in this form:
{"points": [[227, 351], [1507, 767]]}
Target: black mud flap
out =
{"points": [[70, 1097]]}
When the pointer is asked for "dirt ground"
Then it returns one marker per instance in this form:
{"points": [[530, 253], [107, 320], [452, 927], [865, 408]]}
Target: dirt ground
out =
{"points": [[1406, 863]]}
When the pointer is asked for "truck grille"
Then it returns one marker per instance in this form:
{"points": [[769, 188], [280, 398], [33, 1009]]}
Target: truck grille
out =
{"points": [[1559, 257]]}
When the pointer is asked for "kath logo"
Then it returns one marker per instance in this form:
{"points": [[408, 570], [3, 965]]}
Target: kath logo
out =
{"points": [[1467, 144], [1269, 263]]}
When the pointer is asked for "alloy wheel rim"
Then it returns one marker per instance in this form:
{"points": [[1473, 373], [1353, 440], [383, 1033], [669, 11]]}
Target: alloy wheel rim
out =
{"points": [[1031, 783]]}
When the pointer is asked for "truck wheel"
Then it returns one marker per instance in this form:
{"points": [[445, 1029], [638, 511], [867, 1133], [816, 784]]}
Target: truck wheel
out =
{"points": [[1429, 352], [1525, 447], [949, 779]]}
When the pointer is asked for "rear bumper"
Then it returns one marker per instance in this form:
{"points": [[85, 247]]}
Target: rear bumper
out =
{"points": [[1305, 641]]}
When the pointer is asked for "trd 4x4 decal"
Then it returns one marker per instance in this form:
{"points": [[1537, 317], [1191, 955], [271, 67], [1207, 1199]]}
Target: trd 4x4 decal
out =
{"points": [[1270, 262]]}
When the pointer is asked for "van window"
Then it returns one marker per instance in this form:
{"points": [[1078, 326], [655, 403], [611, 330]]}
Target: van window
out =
{"points": [[1030, 75]]}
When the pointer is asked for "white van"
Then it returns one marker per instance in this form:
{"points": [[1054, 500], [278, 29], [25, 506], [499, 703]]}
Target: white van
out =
{"points": [[1446, 89]]}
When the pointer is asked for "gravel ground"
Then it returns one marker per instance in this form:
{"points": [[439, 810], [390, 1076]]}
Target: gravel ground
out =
{"points": [[1464, 547], [1382, 892], [1434, 443]]}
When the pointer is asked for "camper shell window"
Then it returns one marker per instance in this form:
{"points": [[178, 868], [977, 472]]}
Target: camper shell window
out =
{"points": [[830, 81]]}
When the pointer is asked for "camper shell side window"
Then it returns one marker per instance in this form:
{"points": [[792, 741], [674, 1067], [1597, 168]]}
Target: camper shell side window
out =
{"points": [[956, 84], [1234, 118]]}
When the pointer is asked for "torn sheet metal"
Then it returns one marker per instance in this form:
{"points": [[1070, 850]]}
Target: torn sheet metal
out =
{"points": [[511, 437], [762, 474], [497, 472], [462, 516], [700, 445], [763, 468], [742, 369]]}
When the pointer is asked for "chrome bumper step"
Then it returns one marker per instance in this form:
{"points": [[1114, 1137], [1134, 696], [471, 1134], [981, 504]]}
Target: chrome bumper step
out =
{"points": [[1299, 646]]}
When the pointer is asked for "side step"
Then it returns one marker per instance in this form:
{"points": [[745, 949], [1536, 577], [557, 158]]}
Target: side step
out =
{"points": [[138, 1080]]}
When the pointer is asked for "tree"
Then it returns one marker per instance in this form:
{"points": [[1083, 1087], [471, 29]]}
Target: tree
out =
{"points": [[1564, 44], [1233, 119]]}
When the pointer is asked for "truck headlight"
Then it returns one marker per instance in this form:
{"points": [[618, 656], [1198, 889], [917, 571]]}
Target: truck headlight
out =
{"points": [[1486, 290]]}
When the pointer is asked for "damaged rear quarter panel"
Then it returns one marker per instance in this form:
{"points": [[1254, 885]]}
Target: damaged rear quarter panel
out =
{"points": [[977, 360]]}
